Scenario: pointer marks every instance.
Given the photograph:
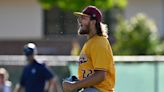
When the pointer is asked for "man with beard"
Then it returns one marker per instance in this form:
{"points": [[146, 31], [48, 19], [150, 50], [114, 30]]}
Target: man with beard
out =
{"points": [[96, 70]]}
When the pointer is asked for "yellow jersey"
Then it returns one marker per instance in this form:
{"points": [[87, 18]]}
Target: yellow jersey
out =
{"points": [[97, 54]]}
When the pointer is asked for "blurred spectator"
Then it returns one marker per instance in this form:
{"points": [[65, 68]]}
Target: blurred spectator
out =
{"points": [[75, 51], [5, 84], [36, 77]]}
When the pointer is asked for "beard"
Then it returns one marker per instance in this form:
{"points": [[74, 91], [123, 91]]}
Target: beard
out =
{"points": [[83, 31]]}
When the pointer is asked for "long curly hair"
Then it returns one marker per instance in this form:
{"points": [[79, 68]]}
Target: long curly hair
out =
{"points": [[102, 29]]}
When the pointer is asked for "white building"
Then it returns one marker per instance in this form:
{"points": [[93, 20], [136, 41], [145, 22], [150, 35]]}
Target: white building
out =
{"points": [[20, 19]]}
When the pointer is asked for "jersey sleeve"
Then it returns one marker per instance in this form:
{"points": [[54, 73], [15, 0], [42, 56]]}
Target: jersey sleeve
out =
{"points": [[102, 57], [47, 73]]}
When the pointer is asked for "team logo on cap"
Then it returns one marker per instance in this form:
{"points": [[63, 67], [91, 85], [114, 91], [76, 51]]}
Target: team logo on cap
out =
{"points": [[94, 15]]}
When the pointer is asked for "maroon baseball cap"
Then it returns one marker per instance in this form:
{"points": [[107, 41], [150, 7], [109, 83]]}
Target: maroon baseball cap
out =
{"points": [[92, 11]]}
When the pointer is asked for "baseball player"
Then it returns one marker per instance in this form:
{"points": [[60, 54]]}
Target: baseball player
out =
{"points": [[96, 72], [35, 74]]}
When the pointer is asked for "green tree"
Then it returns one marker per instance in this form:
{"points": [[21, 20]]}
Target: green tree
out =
{"points": [[160, 48], [75, 5], [136, 37]]}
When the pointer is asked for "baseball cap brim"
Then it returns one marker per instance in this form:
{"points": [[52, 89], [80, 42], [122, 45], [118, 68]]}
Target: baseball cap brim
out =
{"points": [[80, 14]]}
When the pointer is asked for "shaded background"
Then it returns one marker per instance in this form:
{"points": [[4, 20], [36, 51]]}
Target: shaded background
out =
{"points": [[135, 28]]}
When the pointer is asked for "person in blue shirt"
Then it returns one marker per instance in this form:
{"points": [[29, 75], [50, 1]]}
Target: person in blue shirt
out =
{"points": [[35, 75]]}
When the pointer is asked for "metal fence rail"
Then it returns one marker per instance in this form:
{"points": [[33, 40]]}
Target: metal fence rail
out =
{"points": [[63, 60]]}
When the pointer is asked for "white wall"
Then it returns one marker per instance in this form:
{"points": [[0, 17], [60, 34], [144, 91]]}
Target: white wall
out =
{"points": [[152, 8], [20, 19]]}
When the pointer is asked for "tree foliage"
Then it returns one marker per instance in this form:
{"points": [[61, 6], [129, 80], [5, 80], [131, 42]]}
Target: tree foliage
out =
{"points": [[75, 5], [136, 37]]}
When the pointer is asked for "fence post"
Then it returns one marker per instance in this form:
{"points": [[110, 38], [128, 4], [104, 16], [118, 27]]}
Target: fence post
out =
{"points": [[156, 77]]}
